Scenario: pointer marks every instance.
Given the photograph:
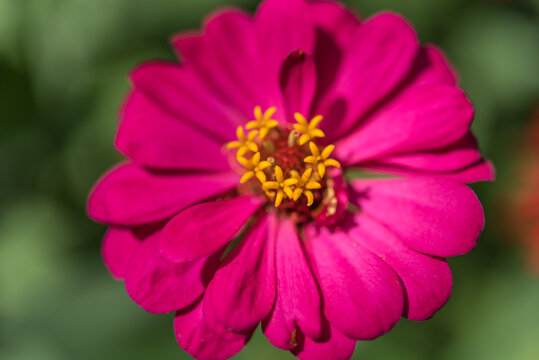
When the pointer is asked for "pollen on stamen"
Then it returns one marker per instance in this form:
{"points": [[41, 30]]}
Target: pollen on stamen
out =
{"points": [[283, 161]]}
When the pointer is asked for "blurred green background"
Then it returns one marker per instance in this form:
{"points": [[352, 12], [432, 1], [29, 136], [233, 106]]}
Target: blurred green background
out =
{"points": [[63, 66]]}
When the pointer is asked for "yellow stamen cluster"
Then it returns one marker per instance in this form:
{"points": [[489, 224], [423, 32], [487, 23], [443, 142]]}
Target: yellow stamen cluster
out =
{"points": [[270, 174]]}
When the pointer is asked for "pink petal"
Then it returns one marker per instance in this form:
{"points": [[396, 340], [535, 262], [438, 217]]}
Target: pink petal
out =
{"points": [[189, 47], [380, 54], [230, 37], [456, 156], [152, 136], [159, 286], [298, 82], [178, 91], [217, 328], [425, 118], [225, 59], [119, 244], [204, 228], [426, 279], [242, 292], [195, 338], [334, 19], [130, 195], [334, 26], [431, 68], [435, 216], [298, 300], [335, 345], [363, 297], [482, 171], [281, 26]]}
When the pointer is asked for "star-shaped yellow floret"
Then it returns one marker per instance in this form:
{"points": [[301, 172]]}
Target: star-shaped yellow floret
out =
{"points": [[263, 121], [308, 131], [320, 160], [254, 167], [281, 186], [305, 185], [244, 143]]}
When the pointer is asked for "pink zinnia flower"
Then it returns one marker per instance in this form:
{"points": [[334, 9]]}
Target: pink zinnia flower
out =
{"points": [[253, 131]]}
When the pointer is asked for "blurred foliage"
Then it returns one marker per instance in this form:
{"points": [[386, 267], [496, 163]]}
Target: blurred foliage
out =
{"points": [[63, 67]]}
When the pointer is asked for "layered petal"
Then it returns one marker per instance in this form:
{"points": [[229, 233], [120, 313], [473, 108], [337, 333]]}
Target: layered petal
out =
{"points": [[460, 161], [217, 328], [426, 279], [179, 91], [152, 136], [205, 228], [130, 195], [298, 82], [334, 345], [334, 26], [298, 301], [242, 292], [431, 215], [224, 57], [430, 68], [456, 156], [334, 19], [380, 54], [118, 245], [159, 286], [428, 117], [281, 26], [194, 336], [482, 170], [363, 297]]}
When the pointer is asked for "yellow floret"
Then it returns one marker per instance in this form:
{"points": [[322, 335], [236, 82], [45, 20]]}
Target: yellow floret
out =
{"points": [[305, 185], [281, 185], [244, 143], [320, 160], [254, 167], [263, 121], [308, 131]]}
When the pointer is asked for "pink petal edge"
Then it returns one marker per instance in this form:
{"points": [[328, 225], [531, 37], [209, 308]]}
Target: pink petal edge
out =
{"points": [[130, 195], [204, 228], [159, 286], [298, 300], [242, 291], [434, 216]]}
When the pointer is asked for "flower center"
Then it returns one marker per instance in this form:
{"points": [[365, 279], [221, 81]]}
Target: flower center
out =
{"points": [[284, 161]]}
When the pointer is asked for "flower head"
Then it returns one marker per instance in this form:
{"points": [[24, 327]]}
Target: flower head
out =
{"points": [[321, 262]]}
